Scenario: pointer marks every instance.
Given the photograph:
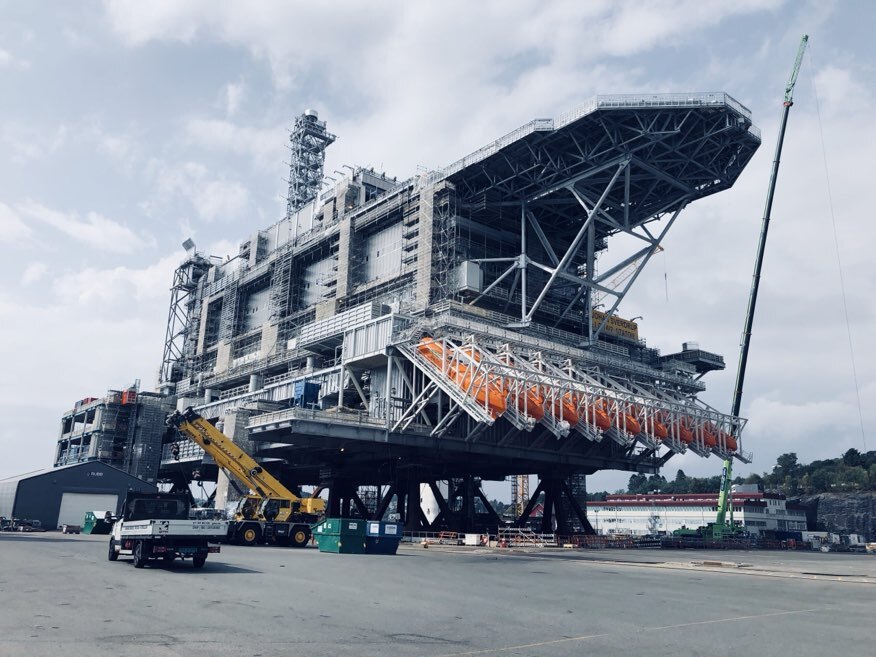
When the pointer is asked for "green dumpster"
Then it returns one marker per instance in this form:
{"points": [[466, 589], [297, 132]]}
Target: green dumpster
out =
{"points": [[97, 522], [340, 535], [382, 537]]}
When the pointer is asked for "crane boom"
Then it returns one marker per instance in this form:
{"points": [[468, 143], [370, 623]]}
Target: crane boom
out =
{"points": [[727, 472], [237, 462], [229, 456]]}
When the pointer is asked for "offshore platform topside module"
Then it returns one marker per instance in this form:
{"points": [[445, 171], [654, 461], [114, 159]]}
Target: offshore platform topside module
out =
{"points": [[461, 324]]}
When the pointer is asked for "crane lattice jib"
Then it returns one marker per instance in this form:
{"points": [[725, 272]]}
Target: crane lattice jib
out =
{"points": [[792, 81]]}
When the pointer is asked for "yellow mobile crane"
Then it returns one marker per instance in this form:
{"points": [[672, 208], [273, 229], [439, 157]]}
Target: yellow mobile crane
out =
{"points": [[271, 512]]}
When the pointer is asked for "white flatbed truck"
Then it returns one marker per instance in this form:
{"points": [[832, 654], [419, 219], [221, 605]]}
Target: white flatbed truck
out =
{"points": [[157, 526]]}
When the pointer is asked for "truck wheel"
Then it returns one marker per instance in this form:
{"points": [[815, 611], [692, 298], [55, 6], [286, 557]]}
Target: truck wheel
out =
{"points": [[198, 561], [299, 537], [139, 558], [113, 555], [251, 534]]}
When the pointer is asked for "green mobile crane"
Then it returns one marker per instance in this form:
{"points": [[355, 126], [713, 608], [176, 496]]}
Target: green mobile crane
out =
{"points": [[721, 527]]}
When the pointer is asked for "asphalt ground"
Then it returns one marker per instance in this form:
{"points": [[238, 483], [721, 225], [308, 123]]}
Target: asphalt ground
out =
{"points": [[60, 596]]}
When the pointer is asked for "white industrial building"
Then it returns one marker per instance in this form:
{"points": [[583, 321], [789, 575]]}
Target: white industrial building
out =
{"points": [[663, 513]]}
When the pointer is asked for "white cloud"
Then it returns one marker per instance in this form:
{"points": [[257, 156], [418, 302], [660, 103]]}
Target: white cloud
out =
{"points": [[117, 146], [233, 95], [8, 60], [27, 143], [263, 145], [12, 228], [213, 198], [789, 422], [222, 248], [636, 27], [94, 229], [34, 272], [118, 285], [841, 91]]}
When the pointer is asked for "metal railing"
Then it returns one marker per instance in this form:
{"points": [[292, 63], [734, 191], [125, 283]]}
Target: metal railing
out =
{"points": [[332, 417], [614, 101]]}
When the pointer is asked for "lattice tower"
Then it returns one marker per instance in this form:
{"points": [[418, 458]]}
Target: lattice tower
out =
{"points": [[308, 141]]}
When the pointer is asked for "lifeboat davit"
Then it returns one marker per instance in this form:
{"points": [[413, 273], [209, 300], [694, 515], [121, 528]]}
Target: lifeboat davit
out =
{"points": [[709, 438], [491, 395], [566, 409], [678, 430], [596, 416], [658, 429], [532, 403], [631, 424], [729, 441]]}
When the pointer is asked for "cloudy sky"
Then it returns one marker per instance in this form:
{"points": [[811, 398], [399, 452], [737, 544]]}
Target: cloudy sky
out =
{"points": [[126, 127]]}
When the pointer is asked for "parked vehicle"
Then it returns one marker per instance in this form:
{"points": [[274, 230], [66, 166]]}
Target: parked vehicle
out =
{"points": [[158, 526]]}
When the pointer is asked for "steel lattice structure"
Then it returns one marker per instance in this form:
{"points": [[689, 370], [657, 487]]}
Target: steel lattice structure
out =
{"points": [[307, 143]]}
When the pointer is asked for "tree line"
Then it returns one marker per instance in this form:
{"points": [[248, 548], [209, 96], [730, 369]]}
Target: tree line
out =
{"points": [[854, 471]]}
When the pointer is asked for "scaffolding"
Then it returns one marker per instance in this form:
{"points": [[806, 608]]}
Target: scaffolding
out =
{"points": [[184, 310]]}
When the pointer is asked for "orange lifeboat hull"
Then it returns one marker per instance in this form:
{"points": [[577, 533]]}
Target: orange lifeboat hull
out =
{"points": [[710, 439], [596, 416], [567, 409], [490, 395], [633, 425], [532, 404], [678, 430], [659, 430]]}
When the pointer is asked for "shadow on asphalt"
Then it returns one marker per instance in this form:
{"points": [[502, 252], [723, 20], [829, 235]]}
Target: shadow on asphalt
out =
{"points": [[30, 536], [210, 568]]}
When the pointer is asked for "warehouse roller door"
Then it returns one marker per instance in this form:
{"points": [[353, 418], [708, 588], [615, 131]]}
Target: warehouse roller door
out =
{"points": [[74, 506]]}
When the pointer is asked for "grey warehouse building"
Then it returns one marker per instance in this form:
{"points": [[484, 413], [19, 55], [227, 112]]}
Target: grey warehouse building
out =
{"points": [[62, 495]]}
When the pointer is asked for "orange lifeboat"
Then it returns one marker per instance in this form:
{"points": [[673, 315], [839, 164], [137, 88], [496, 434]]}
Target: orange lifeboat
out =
{"points": [[596, 416], [729, 441], [658, 429], [566, 409], [685, 424], [685, 435], [631, 424], [678, 430], [532, 403], [490, 395], [709, 438]]}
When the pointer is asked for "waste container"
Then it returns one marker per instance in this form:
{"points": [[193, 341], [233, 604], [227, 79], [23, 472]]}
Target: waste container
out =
{"points": [[382, 537], [340, 535], [97, 522]]}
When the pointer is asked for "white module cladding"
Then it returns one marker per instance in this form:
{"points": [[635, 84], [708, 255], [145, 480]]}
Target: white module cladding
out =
{"points": [[384, 254]]}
